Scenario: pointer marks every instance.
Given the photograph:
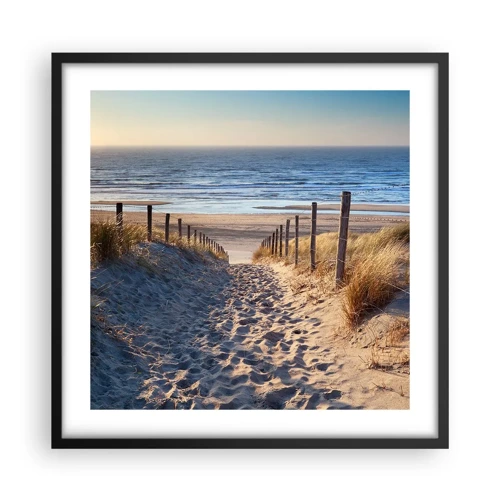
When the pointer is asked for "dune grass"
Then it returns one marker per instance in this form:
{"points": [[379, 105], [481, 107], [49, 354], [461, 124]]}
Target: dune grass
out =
{"points": [[372, 279], [376, 268], [105, 241]]}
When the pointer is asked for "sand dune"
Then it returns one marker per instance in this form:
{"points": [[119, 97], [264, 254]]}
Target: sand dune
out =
{"points": [[173, 330]]}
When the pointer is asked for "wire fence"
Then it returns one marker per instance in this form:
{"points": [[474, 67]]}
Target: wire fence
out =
{"points": [[274, 242], [178, 232], [337, 247]]}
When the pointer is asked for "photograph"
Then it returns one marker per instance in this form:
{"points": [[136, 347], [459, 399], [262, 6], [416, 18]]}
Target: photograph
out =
{"points": [[249, 249]]}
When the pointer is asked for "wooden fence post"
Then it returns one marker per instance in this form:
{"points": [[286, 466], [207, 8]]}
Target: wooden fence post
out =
{"points": [[189, 233], [194, 237], [296, 239], [150, 222], [314, 211], [276, 241], [287, 236], [201, 237], [119, 214], [167, 226], [281, 240], [179, 223], [119, 222], [272, 244], [343, 230]]}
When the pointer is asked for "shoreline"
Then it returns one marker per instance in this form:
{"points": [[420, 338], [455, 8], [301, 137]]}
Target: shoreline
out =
{"points": [[360, 207], [248, 209]]}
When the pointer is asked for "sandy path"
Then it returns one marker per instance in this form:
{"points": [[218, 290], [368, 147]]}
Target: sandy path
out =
{"points": [[266, 356], [204, 339], [175, 330]]}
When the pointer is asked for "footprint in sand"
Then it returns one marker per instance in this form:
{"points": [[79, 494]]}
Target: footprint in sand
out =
{"points": [[332, 395]]}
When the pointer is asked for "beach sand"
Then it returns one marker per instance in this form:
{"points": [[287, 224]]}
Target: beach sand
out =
{"points": [[172, 329], [241, 234]]}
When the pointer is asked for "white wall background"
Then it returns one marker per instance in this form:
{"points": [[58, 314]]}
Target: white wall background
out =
{"points": [[32, 30]]}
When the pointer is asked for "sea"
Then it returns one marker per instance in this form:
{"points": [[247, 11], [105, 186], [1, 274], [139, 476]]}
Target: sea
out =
{"points": [[242, 180]]}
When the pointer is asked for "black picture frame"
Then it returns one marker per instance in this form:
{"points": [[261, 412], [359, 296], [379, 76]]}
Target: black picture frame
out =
{"points": [[59, 60]]}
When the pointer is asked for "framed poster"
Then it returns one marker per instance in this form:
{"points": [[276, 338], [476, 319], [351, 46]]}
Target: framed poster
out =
{"points": [[245, 219]]}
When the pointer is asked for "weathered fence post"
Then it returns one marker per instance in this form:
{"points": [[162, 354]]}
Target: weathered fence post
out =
{"points": [[194, 236], [296, 239], [272, 244], [287, 236], [119, 214], [314, 211], [119, 222], [167, 226], [276, 241], [189, 233], [343, 230], [179, 224], [150, 222], [200, 237], [281, 240]]}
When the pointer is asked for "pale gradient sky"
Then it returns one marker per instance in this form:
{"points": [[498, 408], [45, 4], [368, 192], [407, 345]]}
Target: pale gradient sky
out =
{"points": [[250, 118]]}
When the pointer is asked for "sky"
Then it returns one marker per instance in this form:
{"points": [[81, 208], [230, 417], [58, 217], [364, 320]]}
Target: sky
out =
{"points": [[250, 118]]}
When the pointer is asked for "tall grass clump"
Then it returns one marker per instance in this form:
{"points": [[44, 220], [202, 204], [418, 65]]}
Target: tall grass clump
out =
{"points": [[261, 253], [105, 240], [371, 281], [376, 267]]}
